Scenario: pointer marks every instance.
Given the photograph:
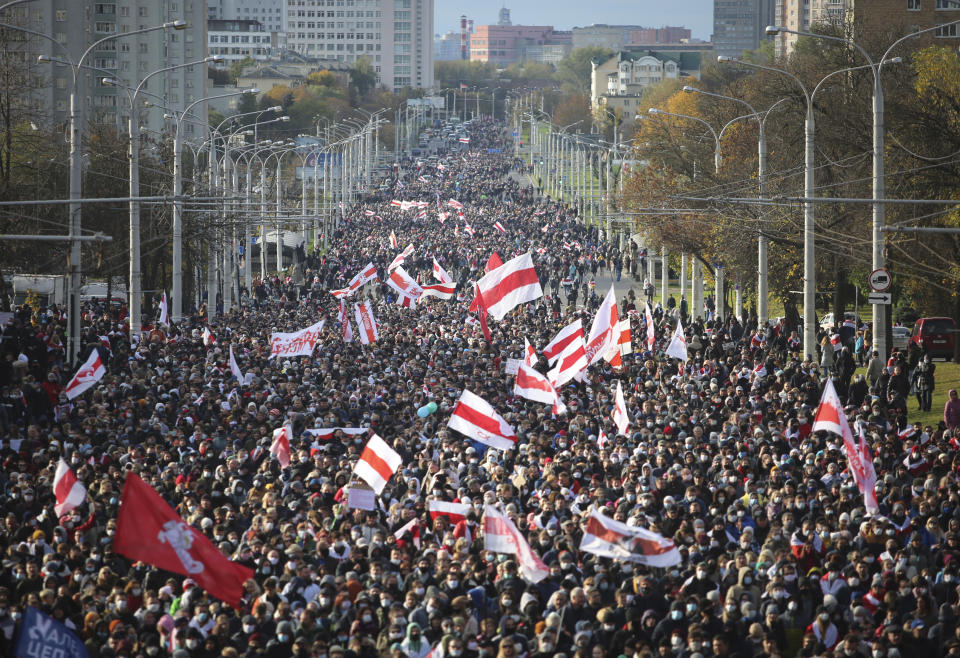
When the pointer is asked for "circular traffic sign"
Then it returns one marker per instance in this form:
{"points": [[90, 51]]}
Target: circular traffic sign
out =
{"points": [[880, 280]]}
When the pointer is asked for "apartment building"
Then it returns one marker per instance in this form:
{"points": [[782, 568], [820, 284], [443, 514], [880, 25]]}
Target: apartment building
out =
{"points": [[395, 35], [616, 37], [236, 39], [738, 25], [508, 44], [76, 25], [268, 12]]}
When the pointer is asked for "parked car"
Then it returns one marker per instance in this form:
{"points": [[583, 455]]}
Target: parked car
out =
{"points": [[827, 321], [901, 337], [935, 335]]}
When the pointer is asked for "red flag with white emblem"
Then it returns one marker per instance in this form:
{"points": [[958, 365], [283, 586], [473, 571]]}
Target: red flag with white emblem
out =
{"points": [[89, 374]]}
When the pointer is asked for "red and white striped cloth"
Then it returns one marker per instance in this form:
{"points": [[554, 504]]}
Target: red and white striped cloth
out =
{"points": [[368, 213], [398, 261], [345, 323], [602, 440], [67, 488], [208, 337], [559, 343], [361, 278], [474, 417], [413, 527], [363, 312], [529, 354], [570, 363], [440, 290], [678, 344], [651, 330], [464, 140], [378, 462], [280, 448], [500, 535], [513, 283], [532, 385], [393, 240], [440, 274], [164, 317], [468, 229], [623, 344], [404, 284], [499, 227], [620, 418], [609, 538], [456, 512], [454, 204], [326, 433], [603, 333], [88, 375]]}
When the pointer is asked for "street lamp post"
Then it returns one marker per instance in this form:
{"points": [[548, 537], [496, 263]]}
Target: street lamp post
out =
{"points": [[76, 192], [880, 319]]}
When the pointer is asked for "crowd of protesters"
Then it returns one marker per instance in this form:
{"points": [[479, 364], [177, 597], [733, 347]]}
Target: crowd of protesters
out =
{"points": [[779, 558]]}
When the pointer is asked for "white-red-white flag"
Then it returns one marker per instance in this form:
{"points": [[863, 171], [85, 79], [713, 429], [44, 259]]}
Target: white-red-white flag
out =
{"points": [[366, 322], [164, 313], [402, 256], [623, 344], [208, 337], [603, 333], [500, 535], [280, 448], [369, 273], [532, 385], [678, 344], [404, 284], [571, 362], [620, 418], [440, 274], [559, 343], [513, 283], [456, 512], [393, 241], [326, 433], [468, 229], [235, 368], [830, 418], [474, 417], [651, 330], [602, 440], [606, 537], [454, 204], [413, 527], [529, 354], [346, 329], [67, 488], [378, 462], [499, 227], [441, 290], [89, 374]]}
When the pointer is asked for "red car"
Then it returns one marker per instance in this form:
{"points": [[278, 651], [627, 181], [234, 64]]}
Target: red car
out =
{"points": [[935, 335]]}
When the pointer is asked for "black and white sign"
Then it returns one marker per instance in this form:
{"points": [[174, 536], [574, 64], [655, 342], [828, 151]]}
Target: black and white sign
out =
{"points": [[879, 298], [880, 281]]}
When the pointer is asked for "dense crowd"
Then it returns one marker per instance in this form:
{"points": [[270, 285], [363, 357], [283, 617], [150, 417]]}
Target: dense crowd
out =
{"points": [[779, 557]]}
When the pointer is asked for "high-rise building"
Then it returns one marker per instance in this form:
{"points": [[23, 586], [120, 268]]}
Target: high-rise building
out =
{"points": [[268, 12], [738, 25], [890, 18], [78, 24], [508, 44], [446, 47], [238, 39], [395, 35]]}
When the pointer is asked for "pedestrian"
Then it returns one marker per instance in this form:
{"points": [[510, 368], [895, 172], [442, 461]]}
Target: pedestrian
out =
{"points": [[923, 381]]}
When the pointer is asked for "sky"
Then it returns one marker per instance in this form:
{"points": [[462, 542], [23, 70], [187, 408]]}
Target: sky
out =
{"points": [[565, 14]]}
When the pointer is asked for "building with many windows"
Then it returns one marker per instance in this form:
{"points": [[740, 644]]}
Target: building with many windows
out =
{"points": [[507, 44], [616, 37], [78, 24], [739, 25], [268, 12], [238, 39], [395, 35]]}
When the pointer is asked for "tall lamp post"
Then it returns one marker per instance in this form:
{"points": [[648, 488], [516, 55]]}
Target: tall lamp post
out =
{"points": [[76, 191], [880, 319]]}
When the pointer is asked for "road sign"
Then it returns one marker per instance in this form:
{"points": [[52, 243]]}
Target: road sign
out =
{"points": [[879, 298], [880, 281]]}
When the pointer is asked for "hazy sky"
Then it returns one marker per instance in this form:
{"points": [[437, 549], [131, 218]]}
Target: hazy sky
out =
{"points": [[564, 14]]}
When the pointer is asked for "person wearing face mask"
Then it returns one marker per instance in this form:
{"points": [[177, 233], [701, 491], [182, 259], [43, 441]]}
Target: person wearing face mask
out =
{"points": [[413, 644], [823, 629], [674, 622], [281, 644]]}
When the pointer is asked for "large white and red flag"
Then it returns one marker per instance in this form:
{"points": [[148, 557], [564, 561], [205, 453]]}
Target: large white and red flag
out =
{"points": [[164, 317], [235, 368], [345, 323], [567, 335], [326, 433], [378, 462], [456, 512], [529, 354], [623, 344], [500, 535], [830, 418], [474, 417], [404, 284], [532, 385], [570, 362], [67, 488], [481, 309], [440, 274], [603, 333], [620, 417], [413, 527], [499, 227], [678, 344], [297, 343], [280, 448], [402, 256], [513, 283], [366, 322], [651, 330], [369, 273], [393, 241], [454, 204], [208, 337], [441, 290], [492, 263], [89, 374], [606, 537]]}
